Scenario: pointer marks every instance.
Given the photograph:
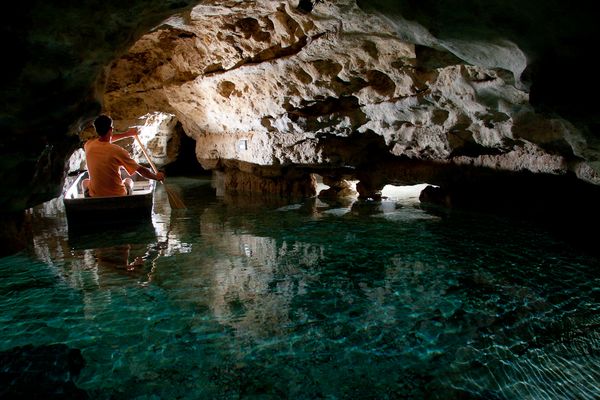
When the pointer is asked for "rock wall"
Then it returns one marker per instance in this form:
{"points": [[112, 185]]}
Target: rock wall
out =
{"points": [[337, 87], [52, 84], [269, 83]]}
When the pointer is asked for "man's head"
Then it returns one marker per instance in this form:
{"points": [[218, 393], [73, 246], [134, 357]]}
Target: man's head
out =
{"points": [[103, 124]]}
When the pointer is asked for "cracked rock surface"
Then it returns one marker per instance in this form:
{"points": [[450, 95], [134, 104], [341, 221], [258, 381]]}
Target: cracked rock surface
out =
{"points": [[270, 84], [376, 91]]}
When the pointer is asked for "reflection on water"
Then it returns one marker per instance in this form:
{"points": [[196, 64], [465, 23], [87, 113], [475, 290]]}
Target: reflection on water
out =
{"points": [[241, 297]]}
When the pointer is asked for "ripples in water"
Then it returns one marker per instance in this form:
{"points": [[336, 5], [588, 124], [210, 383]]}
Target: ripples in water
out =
{"points": [[236, 298]]}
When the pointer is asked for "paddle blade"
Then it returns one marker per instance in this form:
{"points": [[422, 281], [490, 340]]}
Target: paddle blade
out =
{"points": [[175, 200]]}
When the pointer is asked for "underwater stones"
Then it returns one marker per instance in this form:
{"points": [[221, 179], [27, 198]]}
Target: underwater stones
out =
{"points": [[41, 372]]}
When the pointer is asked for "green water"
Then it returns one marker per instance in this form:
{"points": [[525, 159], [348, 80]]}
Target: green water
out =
{"points": [[237, 297]]}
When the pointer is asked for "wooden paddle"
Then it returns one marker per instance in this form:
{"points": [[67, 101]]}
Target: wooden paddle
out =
{"points": [[174, 199]]}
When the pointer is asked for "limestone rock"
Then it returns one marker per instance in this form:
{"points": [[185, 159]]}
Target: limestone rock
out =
{"points": [[275, 86], [379, 91]]}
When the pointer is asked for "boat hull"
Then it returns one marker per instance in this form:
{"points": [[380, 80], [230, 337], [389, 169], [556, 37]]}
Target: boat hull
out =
{"points": [[83, 210]]}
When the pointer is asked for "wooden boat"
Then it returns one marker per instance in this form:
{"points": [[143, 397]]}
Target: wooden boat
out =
{"points": [[83, 210]]}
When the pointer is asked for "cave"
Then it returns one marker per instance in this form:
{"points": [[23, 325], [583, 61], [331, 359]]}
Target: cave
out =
{"points": [[400, 111]]}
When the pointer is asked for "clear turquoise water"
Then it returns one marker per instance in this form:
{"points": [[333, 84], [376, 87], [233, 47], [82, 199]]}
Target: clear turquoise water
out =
{"points": [[240, 298]]}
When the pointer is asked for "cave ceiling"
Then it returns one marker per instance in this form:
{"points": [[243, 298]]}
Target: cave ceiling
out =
{"points": [[315, 84]]}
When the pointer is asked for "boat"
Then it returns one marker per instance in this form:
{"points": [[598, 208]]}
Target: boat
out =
{"points": [[82, 210]]}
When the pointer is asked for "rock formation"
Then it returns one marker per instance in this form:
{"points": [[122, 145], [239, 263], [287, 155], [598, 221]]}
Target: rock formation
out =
{"points": [[271, 84], [480, 99]]}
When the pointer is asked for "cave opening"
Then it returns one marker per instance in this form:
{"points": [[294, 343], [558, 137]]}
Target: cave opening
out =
{"points": [[403, 193]]}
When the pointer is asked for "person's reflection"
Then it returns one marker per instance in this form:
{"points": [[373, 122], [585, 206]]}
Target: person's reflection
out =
{"points": [[118, 257]]}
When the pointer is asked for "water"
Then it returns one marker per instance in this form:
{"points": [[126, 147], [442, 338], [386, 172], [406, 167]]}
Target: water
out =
{"points": [[240, 298]]}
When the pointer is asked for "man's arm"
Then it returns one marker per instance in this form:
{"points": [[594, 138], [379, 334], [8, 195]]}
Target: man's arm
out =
{"points": [[131, 132], [146, 173]]}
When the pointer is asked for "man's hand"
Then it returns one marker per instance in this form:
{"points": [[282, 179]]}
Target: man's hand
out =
{"points": [[149, 174], [131, 131]]}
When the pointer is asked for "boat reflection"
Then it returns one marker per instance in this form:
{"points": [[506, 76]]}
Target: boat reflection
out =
{"points": [[90, 251], [125, 249], [113, 234], [118, 257]]}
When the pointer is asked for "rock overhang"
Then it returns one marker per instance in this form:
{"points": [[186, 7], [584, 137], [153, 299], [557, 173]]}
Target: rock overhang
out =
{"points": [[61, 55]]}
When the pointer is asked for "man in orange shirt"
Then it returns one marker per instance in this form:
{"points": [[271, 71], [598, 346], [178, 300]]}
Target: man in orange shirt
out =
{"points": [[105, 159]]}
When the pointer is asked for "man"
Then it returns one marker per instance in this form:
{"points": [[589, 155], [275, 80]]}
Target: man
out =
{"points": [[105, 159]]}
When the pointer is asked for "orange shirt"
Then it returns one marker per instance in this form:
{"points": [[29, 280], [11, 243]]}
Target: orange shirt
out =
{"points": [[104, 160]]}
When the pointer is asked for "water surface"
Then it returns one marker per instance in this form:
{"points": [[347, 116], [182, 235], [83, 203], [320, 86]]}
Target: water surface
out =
{"points": [[238, 297]]}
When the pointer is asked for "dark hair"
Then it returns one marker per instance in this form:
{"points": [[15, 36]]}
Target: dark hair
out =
{"points": [[102, 124]]}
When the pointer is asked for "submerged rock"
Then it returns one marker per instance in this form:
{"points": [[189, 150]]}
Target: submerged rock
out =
{"points": [[41, 372]]}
